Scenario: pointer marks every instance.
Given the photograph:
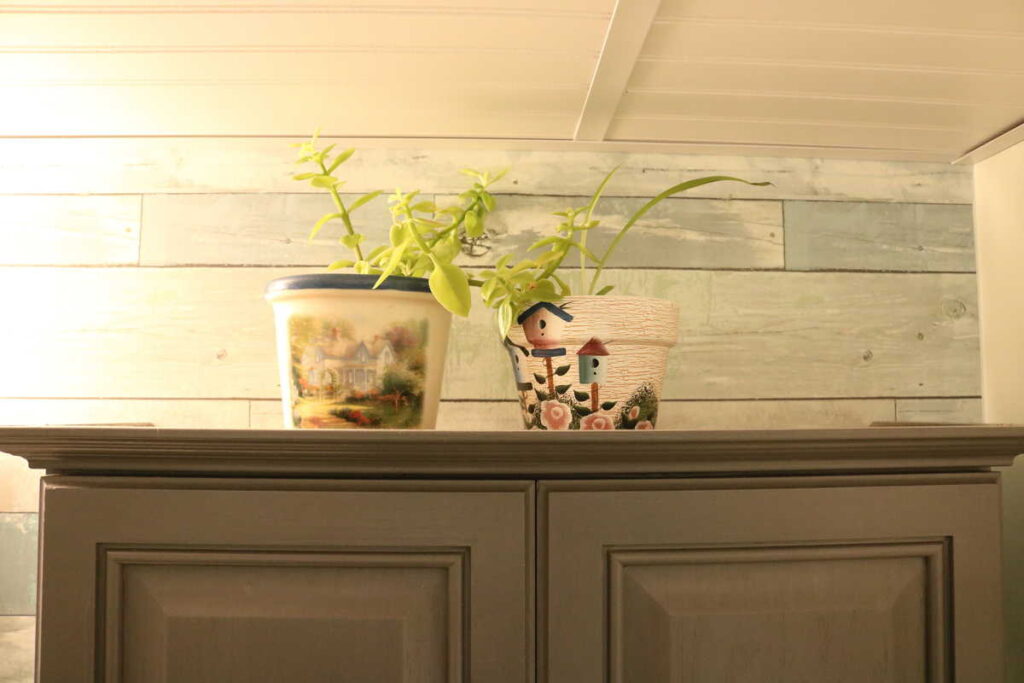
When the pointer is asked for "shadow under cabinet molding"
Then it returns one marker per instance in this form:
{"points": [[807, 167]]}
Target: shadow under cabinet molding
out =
{"points": [[841, 555]]}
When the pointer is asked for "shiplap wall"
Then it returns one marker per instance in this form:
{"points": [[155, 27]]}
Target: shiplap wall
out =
{"points": [[133, 272]]}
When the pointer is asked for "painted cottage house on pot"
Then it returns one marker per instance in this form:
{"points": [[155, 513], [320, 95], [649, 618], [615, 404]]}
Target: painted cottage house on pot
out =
{"points": [[333, 364]]}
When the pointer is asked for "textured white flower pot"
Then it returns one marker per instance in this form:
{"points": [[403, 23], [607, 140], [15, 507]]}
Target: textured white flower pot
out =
{"points": [[592, 362], [352, 357]]}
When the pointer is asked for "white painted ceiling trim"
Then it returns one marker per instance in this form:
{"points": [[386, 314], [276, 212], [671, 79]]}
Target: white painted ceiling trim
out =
{"points": [[992, 147], [630, 23]]}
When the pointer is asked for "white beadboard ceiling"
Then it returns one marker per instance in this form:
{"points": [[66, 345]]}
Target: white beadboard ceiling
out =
{"points": [[904, 79]]}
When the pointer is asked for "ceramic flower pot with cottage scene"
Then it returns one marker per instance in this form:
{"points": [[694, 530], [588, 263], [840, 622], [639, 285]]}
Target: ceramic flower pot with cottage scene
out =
{"points": [[592, 362], [353, 357]]}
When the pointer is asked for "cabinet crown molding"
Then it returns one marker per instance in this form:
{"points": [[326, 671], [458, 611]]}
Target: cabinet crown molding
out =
{"points": [[284, 453]]}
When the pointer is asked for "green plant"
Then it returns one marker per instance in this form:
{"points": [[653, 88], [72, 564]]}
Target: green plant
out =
{"points": [[514, 286], [423, 240]]}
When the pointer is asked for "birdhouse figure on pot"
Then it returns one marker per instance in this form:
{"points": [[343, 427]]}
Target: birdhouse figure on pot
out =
{"points": [[543, 324], [518, 355], [593, 365]]}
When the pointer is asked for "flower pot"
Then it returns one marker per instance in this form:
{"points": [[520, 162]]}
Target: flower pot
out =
{"points": [[592, 362], [354, 357]]}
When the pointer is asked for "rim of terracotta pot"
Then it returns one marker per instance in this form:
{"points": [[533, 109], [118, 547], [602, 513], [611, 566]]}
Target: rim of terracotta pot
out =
{"points": [[346, 281]]}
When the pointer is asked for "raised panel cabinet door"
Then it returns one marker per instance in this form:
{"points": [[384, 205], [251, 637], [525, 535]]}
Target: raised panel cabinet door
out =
{"points": [[148, 580], [885, 579]]}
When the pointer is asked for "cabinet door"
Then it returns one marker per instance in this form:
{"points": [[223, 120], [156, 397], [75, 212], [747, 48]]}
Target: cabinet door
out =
{"points": [[890, 579], [206, 581]]}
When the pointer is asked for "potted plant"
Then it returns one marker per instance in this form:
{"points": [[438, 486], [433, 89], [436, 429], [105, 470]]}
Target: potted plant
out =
{"points": [[583, 359], [366, 348]]}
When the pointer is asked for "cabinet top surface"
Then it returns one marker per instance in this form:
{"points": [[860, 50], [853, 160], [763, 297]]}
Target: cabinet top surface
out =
{"points": [[297, 453]]}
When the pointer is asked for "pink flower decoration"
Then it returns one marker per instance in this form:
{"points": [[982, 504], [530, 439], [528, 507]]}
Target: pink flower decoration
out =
{"points": [[645, 424], [634, 412], [597, 421], [555, 415]]}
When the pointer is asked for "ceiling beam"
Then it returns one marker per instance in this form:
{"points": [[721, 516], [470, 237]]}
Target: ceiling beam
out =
{"points": [[993, 146], [627, 30]]}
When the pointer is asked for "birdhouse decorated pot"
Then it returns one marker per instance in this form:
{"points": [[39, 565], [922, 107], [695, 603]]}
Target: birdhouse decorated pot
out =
{"points": [[570, 382]]}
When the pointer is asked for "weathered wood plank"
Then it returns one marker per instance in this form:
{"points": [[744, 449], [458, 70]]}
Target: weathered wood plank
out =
{"points": [[271, 229], [18, 542], [678, 233], [951, 410], [173, 413], [782, 335], [215, 165], [62, 230], [17, 649], [875, 236], [207, 333], [250, 229]]}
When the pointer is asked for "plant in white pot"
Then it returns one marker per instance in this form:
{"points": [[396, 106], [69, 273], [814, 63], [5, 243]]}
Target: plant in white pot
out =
{"points": [[583, 359], [366, 348]]}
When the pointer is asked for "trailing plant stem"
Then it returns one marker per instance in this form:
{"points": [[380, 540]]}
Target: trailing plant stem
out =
{"points": [[344, 213]]}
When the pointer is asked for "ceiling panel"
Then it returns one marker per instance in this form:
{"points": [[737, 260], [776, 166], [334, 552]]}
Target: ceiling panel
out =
{"points": [[830, 80], [469, 68], [957, 15], [928, 76], [891, 78]]}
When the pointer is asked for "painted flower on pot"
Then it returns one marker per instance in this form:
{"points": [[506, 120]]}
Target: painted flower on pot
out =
{"points": [[597, 421], [644, 424], [555, 415]]}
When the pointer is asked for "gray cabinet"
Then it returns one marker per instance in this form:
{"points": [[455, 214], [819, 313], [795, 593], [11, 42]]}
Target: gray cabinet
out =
{"points": [[196, 581], [845, 556], [842, 579]]}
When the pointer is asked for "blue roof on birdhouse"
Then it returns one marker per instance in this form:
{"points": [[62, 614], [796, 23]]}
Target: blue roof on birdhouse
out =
{"points": [[544, 306]]}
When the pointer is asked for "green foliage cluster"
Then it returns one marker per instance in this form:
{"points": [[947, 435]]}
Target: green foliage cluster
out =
{"points": [[424, 239], [514, 286]]}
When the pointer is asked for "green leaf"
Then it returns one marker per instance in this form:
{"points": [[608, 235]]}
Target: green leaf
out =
{"points": [[604, 290], [562, 388], [554, 239], [425, 207], [340, 159], [397, 234], [447, 249], [487, 200], [320, 223], [541, 395], [450, 287], [304, 176], [369, 196], [562, 369], [376, 252], [324, 181], [504, 318], [581, 395], [396, 258], [540, 378], [474, 226], [340, 264], [352, 241], [608, 405]]}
